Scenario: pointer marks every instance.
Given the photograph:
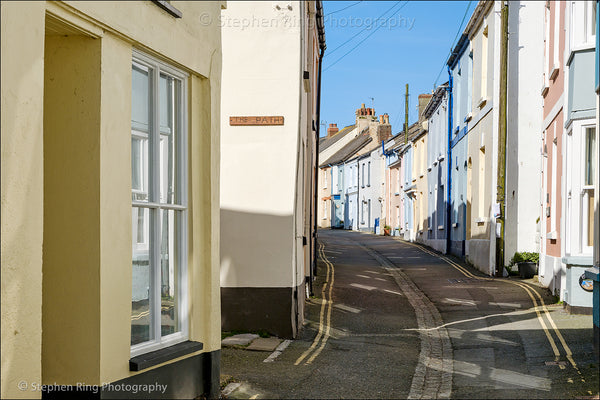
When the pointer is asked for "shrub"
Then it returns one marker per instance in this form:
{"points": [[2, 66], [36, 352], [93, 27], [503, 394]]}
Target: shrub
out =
{"points": [[524, 257]]}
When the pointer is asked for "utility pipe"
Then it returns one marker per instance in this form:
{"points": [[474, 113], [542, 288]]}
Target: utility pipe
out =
{"points": [[322, 47], [449, 166]]}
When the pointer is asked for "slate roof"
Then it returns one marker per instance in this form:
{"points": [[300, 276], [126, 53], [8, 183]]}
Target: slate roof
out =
{"points": [[413, 131], [331, 140], [435, 100], [349, 150]]}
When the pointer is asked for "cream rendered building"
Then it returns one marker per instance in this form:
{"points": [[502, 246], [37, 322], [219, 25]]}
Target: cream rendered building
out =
{"points": [[483, 30], [271, 54], [419, 173], [110, 185]]}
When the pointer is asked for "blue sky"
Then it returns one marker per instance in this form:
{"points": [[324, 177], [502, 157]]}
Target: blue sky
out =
{"points": [[410, 46]]}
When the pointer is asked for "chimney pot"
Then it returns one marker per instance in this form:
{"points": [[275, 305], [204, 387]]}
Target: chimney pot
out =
{"points": [[332, 130]]}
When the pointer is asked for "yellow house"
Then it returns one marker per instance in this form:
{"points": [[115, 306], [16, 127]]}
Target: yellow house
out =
{"points": [[110, 211], [419, 174]]}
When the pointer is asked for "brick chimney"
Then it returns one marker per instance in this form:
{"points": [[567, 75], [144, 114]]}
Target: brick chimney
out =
{"points": [[423, 101], [384, 130], [332, 130]]}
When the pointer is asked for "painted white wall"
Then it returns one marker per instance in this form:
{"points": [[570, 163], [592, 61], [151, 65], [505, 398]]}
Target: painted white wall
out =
{"points": [[351, 217], [373, 189], [261, 76], [437, 145], [526, 66]]}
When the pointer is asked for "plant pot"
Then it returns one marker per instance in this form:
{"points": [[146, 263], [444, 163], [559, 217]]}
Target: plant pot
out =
{"points": [[527, 269], [386, 232]]}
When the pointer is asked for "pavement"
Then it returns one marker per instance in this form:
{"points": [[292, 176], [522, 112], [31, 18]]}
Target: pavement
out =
{"points": [[392, 319]]}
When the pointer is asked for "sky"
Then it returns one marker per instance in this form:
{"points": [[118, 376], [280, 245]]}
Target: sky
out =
{"points": [[402, 42]]}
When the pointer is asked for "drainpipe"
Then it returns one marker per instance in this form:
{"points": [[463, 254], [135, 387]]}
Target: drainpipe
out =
{"points": [[449, 166], [331, 212], [358, 207], [502, 127], [322, 47]]}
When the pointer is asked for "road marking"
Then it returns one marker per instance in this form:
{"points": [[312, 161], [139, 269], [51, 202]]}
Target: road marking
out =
{"points": [[366, 287], [347, 308], [326, 336], [278, 351], [531, 292], [364, 276], [433, 374], [381, 279], [324, 325], [321, 315], [392, 292], [460, 301]]}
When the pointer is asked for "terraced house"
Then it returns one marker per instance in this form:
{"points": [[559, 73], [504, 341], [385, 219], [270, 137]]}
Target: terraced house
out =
{"points": [[269, 164], [110, 166], [351, 173]]}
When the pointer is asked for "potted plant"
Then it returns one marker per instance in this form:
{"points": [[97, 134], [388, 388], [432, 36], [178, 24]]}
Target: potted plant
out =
{"points": [[526, 262], [386, 230]]}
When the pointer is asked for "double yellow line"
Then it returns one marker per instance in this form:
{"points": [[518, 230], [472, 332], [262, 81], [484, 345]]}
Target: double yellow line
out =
{"points": [[533, 295], [326, 306]]}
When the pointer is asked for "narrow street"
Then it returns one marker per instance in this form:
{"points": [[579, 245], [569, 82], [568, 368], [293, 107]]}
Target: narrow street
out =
{"points": [[392, 319]]}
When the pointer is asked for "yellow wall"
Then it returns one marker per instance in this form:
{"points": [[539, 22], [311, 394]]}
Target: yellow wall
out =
{"points": [[71, 263], [115, 208], [22, 195], [205, 314], [66, 180]]}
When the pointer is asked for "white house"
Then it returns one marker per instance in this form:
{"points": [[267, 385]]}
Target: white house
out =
{"points": [[436, 114], [268, 162]]}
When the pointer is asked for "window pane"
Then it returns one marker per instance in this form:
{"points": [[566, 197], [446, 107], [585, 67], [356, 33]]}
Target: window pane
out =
{"points": [[590, 219], [593, 19], [139, 168], [590, 155], [169, 270], [165, 85], [140, 96], [170, 140], [141, 277]]}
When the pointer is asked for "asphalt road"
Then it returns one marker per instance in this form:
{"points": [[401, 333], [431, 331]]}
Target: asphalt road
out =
{"points": [[400, 321]]}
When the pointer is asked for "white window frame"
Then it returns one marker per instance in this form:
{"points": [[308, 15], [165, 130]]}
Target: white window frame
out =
{"points": [[582, 36], [585, 190], [363, 175], [158, 341], [554, 185], [556, 50]]}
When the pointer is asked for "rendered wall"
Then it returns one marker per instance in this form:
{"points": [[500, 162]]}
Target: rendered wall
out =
{"points": [[258, 163], [523, 155], [84, 90], [22, 195]]}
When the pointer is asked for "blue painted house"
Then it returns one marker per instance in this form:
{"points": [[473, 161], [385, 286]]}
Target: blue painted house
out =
{"points": [[460, 84], [409, 192]]}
